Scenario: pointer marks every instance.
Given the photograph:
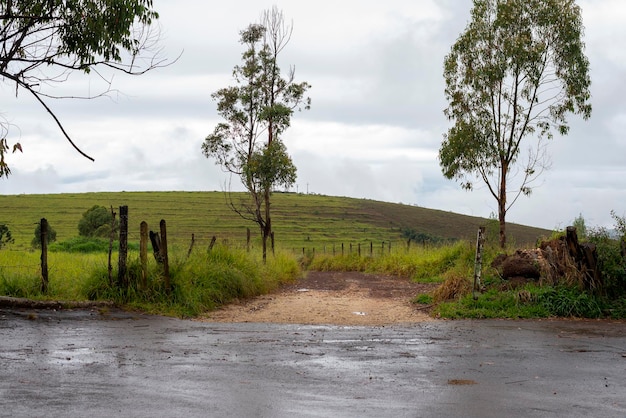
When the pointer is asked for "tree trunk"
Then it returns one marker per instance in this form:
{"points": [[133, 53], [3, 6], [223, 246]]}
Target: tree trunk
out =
{"points": [[502, 204]]}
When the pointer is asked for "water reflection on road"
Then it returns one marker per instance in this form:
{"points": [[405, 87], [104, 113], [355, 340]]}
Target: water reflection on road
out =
{"points": [[75, 363]]}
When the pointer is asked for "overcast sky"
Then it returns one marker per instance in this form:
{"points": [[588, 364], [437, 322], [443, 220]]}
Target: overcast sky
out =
{"points": [[374, 128]]}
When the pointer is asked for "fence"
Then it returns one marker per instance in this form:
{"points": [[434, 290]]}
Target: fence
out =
{"points": [[159, 242]]}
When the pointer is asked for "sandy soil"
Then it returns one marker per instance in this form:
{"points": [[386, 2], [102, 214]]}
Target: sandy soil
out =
{"points": [[334, 298]]}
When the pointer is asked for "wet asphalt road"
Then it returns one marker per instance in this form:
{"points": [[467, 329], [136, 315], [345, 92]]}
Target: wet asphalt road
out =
{"points": [[81, 363]]}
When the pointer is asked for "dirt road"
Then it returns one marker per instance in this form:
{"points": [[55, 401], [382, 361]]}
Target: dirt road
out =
{"points": [[337, 298]]}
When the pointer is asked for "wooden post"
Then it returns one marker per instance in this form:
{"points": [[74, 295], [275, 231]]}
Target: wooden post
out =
{"points": [[272, 240], [155, 240], [122, 277], [371, 249], [478, 263], [164, 256], [44, 255], [143, 252], [212, 243], [111, 239], [359, 249], [389, 247], [193, 241], [408, 244], [248, 239], [342, 249]]}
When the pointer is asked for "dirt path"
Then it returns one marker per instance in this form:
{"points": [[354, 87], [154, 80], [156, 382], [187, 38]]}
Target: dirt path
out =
{"points": [[337, 298]]}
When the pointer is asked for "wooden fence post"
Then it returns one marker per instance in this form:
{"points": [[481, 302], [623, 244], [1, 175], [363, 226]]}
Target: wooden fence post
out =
{"points": [[122, 277], [478, 263], [371, 249], [164, 256], [111, 239], [143, 252], [212, 243], [193, 241], [44, 255], [248, 239], [155, 240]]}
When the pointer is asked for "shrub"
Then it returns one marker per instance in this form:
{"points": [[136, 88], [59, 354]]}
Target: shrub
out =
{"points": [[51, 235], [96, 222], [5, 235], [611, 260]]}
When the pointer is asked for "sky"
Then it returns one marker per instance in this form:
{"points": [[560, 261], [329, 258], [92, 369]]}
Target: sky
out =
{"points": [[374, 128]]}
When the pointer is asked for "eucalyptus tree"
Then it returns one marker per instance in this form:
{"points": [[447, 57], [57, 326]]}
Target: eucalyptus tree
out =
{"points": [[512, 79], [42, 42], [256, 113]]}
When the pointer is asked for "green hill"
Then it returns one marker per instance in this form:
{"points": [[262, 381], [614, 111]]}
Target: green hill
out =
{"points": [[300, 220]]}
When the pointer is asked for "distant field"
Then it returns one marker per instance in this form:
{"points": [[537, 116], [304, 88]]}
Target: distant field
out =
{"points": [[300, 221]]}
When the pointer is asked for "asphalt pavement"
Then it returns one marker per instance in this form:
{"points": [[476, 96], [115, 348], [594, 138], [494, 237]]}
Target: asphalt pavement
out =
{"points": [[77, 363]]}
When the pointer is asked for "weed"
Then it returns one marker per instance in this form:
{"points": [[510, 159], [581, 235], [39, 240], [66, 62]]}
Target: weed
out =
{"points": [[423, 299], [566, 301]]}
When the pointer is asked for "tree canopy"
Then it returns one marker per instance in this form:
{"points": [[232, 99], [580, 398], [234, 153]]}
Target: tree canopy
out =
{"points": [[512, 78], [43, 41], [97, 222]]}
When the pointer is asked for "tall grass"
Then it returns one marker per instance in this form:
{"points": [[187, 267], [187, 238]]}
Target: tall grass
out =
{"points": [[424, 264], [199, 283]]}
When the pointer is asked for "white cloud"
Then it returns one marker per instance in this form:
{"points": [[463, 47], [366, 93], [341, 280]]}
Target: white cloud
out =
{"points": [[375, 125]]}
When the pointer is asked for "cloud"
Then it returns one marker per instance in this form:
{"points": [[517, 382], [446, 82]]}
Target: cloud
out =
{"points": [[374, 129]]}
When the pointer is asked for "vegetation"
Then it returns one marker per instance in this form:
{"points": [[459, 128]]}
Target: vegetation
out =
{"points": [[207, 279], [515, 73], [97, 222], [5, 236], [257, 112], [200, 283], [51, 236], [502, 299], [423, 263], [611, 257], [302, 221], [44, 41]]}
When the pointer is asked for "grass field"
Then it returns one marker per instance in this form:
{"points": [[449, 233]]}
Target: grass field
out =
{"points": [[299, 220]]}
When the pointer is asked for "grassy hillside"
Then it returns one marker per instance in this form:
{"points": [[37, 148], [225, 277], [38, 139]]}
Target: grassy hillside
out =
{"points": [[310, 221]]}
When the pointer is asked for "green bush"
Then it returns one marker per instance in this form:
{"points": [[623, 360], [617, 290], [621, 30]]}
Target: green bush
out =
{"points": [[611, 262], [97, 222], [36, 242], [5, 235]]}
